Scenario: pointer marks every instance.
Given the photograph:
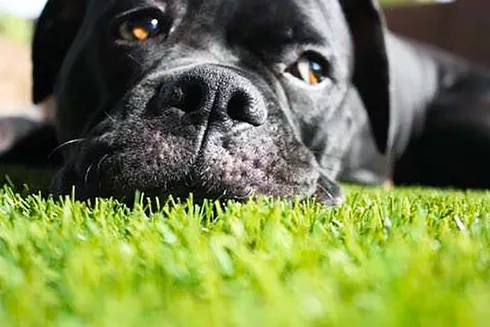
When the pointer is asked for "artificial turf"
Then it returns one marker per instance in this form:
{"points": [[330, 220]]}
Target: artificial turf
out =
{"points": [[409, 257]]}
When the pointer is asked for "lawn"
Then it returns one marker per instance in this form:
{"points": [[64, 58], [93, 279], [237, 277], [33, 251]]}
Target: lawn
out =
{"points": [[405, 258]]}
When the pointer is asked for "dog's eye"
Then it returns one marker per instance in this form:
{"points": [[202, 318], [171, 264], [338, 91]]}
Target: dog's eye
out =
{"points": [[140, 27], [310, 68]]}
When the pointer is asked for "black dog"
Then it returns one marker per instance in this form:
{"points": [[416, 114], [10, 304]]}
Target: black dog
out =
{"points": [[225, 99]]}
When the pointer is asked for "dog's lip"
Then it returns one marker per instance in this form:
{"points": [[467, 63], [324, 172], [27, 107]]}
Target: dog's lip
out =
{"points": [[331, 198], [95, 158], [89, 182]]}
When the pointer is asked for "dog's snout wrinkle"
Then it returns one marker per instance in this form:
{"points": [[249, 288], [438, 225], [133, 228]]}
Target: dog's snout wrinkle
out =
{"points": [[219, 91]]}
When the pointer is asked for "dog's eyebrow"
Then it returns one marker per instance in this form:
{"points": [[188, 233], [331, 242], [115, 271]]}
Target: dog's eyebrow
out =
{"points": [[272, 24]]}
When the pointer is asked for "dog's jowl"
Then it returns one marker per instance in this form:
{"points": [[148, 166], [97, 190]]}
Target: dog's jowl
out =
{"points": [[225, 99]]}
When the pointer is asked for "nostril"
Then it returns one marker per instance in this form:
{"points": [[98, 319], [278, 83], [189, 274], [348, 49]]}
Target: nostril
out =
{"points": [[237, 106], [187, 97], [176, 96], [193, 97], [243, 107]]}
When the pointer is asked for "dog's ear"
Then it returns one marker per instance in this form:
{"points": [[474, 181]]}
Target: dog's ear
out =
{"points": [[55, 32], [371, 70]]}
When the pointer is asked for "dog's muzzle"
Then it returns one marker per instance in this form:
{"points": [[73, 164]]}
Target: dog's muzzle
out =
{"points": [[207, 130]]}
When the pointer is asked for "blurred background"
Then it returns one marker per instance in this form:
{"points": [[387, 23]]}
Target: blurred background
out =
{"points": [[460, 26]]}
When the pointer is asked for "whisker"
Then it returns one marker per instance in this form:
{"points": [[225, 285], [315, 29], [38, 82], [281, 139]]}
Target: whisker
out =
{"points": [[134, 60], [99, 164], [323, 194], [324, 189], [108, 115], [87, 173], [223, 195], [64, 145], [101, 161], [249, 194]]}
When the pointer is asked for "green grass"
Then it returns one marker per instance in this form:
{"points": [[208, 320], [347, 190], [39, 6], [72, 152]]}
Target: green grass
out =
{"points": [[407, 258]]}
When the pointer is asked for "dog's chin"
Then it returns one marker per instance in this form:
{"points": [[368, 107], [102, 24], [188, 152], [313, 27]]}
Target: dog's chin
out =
{"points": [[104, 182]]}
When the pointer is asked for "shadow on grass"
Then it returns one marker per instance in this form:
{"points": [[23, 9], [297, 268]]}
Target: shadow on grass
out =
{"points": [[26, 180]]}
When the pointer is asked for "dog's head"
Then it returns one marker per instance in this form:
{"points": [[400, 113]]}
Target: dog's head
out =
{"points": [[217, 98]]}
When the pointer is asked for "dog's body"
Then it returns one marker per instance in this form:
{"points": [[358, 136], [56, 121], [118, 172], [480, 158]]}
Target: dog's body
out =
{"points": [[216, 101], [440, 122]]}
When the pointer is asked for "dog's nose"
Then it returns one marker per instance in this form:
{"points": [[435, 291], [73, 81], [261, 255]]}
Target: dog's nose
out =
{"points": [[222, 92]]}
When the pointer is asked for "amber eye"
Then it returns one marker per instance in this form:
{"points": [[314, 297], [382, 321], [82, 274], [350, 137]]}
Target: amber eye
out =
{"points": [[310, 68], [141, 26]]}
